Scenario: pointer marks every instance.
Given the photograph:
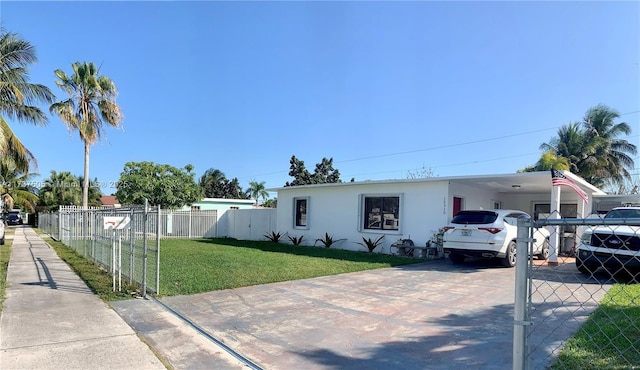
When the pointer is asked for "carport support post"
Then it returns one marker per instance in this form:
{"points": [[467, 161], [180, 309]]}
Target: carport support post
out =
{"points": [[554, 240], [520, 321]]}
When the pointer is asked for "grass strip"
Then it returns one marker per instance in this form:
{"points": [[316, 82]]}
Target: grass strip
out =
{"points": [[97, 279], [610, 338], [5, 254]]}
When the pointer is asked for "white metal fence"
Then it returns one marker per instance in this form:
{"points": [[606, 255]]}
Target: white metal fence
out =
{"points": [[131, 253], [565, 318]]}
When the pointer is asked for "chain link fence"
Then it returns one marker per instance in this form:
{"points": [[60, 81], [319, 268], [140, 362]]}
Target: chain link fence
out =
{"points": [[580, 309], [124, 241]]}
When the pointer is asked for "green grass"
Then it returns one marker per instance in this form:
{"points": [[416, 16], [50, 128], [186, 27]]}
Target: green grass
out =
{"points": [[5, 254], [98, 280], [195, 266], [610, 338]]}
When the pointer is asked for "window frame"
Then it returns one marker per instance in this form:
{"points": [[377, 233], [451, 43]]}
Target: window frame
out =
{"points": [[295, 213], [362, 214]]}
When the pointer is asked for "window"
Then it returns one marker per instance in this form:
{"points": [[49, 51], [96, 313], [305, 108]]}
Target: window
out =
{"points": [[232, 207], [381, 213], [195, 208], [300, 212]]}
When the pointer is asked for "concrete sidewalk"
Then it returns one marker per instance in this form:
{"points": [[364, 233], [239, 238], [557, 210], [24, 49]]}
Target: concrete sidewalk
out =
{"points": [[51, 320]]}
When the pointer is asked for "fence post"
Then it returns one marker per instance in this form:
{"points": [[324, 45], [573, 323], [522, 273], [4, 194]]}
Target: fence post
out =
{"points": [[520, 308], [158, 251], [132, 236], [144, 248]]}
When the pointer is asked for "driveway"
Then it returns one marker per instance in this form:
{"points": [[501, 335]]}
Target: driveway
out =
{"points": [[432, 315]]}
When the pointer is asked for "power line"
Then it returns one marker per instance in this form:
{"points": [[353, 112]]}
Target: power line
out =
{"points": [[440, 147], [445, 146]]}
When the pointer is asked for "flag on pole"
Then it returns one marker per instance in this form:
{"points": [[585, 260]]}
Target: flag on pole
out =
{"points": [[559, 179]]}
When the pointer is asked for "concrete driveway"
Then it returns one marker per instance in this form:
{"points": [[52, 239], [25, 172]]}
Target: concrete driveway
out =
{"points": [[432, 315]]}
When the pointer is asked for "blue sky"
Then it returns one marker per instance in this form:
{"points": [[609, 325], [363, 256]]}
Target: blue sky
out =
{"points": [[462, 88]]}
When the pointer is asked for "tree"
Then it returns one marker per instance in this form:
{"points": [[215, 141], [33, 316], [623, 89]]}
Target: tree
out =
{"points": [[324, 173], [17, 99], [421, 173], [257, 190], [614, 155], [60, 189], [591, 149], [299, 173], [216, 185], [64, 189], [16, 189], [91, 104], [548, 161], [270, 203], [161, 184]]}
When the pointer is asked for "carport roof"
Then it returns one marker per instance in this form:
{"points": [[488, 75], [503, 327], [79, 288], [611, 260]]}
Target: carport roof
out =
{"points": [[525, 182]]}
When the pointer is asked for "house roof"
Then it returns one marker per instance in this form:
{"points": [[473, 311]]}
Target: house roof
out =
{"points": [[529, 182], [226, 200], [109, 200]]}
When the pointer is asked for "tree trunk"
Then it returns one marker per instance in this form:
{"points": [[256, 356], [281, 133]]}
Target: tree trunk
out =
{"points": [[85, 184]]}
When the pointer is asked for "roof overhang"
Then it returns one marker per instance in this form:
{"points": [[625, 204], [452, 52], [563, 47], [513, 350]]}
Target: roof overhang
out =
{"points": [[525, 182]]}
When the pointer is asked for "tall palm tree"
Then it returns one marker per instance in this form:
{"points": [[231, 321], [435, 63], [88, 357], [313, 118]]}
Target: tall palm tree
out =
{"points": [[257, 190], [91, 104], [614, 155], [18, 98]]}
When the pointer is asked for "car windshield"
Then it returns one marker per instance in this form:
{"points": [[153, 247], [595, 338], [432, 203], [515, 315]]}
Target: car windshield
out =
{"points": [[474, 217], [12, 216], [623, 213]]}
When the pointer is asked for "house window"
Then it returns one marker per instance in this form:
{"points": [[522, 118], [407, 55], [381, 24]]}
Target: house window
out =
{"points": [[381, 213], [195, 208], [232, 207], [300, 212]]}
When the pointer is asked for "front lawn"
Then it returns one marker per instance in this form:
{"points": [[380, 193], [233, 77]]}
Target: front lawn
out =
{"points": [[195, 266]]}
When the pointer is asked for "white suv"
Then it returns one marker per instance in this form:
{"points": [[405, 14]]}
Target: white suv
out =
{"points": [[615, 248], [491, 234]]}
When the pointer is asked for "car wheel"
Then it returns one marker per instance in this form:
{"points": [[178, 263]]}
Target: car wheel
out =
{"points": [[456, 258], [544, 254], [510, 259], [2, 240], [584, 268]]}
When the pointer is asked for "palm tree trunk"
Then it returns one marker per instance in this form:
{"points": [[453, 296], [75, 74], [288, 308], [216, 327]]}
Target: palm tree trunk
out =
{"points": [[85, 183]]}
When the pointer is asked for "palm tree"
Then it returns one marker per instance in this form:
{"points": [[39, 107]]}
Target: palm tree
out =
{"points": [[17, 98], [213, 183], [549, 160], [61, 188], [16, 189], [613, 154], [257, 190], [91, 104]]}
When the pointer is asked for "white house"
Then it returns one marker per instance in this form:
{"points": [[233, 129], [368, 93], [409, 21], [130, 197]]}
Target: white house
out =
{"points": [[415, 208]]}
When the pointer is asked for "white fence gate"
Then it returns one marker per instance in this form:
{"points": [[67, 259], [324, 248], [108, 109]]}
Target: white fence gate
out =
{"points": [[248, 224]]}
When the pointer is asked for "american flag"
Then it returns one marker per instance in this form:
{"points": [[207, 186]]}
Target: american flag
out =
{"points": [[559, 179]]}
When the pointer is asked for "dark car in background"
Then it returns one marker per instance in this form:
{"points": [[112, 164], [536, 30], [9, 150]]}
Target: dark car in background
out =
{"points": [[13, 219]]}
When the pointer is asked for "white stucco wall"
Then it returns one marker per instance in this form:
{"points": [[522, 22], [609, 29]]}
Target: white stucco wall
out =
{"points": [[337, 210]]}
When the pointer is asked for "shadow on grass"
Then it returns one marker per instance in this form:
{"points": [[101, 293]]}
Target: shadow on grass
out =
{"points": [[310, 251]]}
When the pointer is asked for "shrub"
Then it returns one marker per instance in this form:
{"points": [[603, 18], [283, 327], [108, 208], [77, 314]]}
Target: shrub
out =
{"points": [[274, 236], [296, 240], [327, 241], [371, 244]]}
